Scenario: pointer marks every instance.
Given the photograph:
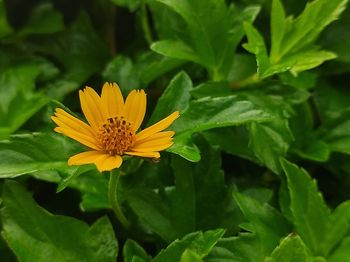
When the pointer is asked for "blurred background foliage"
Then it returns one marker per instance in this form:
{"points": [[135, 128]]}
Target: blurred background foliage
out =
{"points": [[244, 107]]}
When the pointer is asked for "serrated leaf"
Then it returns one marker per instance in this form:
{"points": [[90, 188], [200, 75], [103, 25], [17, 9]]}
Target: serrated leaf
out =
{"points": [[29, 229], [291, 249], [132, 250], [210, 36], [245, 247], [256, 45], [267, 223], [299, 62], [311, 216], [292, 47], [217, 209], [198, 242], [315, 17], [263, 136]]}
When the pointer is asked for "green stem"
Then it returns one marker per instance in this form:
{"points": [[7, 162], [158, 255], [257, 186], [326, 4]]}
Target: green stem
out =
{"points": [[113, 198], [253, 79]]}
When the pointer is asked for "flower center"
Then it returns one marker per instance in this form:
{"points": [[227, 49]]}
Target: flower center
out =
{"points": [[116, 135]]}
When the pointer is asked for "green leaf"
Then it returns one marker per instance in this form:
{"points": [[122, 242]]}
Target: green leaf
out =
{"points": [[29, 229], [45, 156], [291, 249], [131, 74], [208, 113], [174, 98], [266, 222], [210, 35], [312, 21], [336, 38], [79, 50], [317, 150], [175, 49], [339, 226], [263, 136], [28, 153], [212, 89], [73, 175], [94, 187], [152, 66], [304, 80], [256, 45], [337, 136], [299, 62], [18, 100], [200, 243], [43, 20], [342, 252], [133, 250], [152, 212], [332, 103], [31, 154], [182, 199], [292, 40], [217, 209], [106, 245], [278, 27], [190, 256], [232, 140], [311, 216], [245, 247], [122, 71], [205, 22]]}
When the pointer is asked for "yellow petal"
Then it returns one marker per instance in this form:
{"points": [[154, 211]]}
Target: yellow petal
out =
{"points": [[153, 143], [65, 120], [113, 99], [80, 137], [135, 107], [144, 154], [87, 157], [108, 162], [157, 127], [103, 161], [153, 147], [156, 136], [92, 107]]}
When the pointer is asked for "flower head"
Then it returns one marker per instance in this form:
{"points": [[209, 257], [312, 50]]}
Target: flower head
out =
{"points": [[111, 129]]}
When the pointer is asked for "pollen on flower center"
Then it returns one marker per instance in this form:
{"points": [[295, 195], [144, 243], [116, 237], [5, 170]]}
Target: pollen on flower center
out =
{"points": [[116, 135]]}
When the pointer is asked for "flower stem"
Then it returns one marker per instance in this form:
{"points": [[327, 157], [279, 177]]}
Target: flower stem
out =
{"points": [[113, 198]]}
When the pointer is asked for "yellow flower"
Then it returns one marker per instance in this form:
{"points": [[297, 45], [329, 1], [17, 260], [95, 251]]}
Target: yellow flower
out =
{"points": [[111, 132]]}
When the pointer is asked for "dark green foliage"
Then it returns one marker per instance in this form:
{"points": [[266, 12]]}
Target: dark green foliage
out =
{"points": [[259, 170]]}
